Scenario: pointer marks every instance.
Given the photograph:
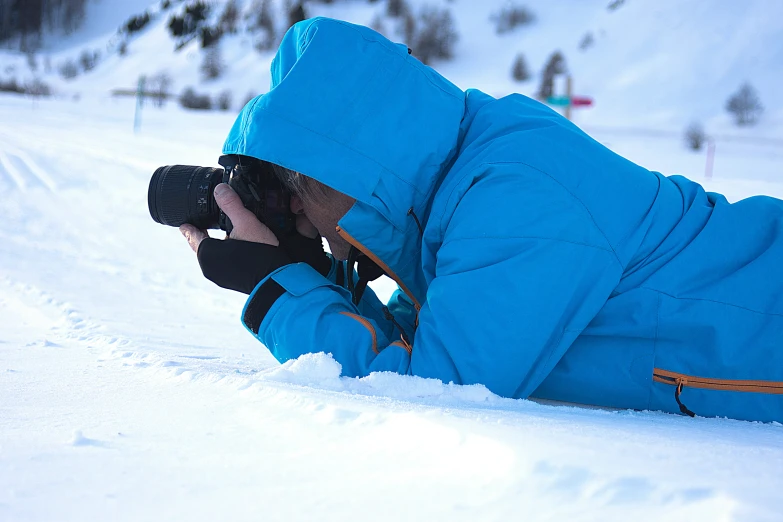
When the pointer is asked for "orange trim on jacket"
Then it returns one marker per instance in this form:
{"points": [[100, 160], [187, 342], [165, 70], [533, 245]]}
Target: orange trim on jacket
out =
{"points": [[343, 234], [404, 346], [680, 379], [367, 325]]}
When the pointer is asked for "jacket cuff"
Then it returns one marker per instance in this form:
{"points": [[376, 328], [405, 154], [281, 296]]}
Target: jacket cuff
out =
{"points": [[296, 279], [259, 303]]}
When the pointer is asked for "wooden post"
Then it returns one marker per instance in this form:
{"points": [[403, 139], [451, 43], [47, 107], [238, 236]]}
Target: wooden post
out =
{"points": [[139, 104], [569, 93]]}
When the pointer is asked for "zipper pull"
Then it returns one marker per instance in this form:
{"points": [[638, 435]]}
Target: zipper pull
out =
{"points": [[390, 317], [677, 391]]}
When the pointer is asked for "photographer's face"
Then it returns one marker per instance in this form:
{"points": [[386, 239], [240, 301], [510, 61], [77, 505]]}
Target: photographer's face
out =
{"points": [[324, 213]]}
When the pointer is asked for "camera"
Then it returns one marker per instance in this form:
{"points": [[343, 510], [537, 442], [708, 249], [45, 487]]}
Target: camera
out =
{"points": [[185, 194]]}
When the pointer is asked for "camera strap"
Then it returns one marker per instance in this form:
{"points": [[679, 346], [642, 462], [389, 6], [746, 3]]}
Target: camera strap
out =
{"points": [[367, 270]]}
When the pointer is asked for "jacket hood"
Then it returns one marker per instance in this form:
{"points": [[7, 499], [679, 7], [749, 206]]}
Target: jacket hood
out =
{"points": [[356, 112]]}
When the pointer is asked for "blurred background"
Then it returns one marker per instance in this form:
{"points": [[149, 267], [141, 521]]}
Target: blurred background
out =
{"points": [[651, 79]]}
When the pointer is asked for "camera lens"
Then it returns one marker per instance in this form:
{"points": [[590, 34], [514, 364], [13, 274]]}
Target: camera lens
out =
{"points": [[184, 194]]}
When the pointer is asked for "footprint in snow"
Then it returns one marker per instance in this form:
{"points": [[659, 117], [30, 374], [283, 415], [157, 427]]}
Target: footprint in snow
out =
{"points": [[79, 439]]}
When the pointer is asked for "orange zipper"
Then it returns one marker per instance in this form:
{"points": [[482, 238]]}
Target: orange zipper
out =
{"points": [[680, 379], [343, 234]]}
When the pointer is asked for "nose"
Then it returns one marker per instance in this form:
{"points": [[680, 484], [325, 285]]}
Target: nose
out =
{"points": [[296, 205]]}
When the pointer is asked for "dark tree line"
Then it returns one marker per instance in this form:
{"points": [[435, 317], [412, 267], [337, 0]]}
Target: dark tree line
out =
{"points": [[28, 19]]}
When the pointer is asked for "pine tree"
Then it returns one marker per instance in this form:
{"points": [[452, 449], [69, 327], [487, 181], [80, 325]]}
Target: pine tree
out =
{"points": [[230, 17], [554, 66], [745, 105], [519, 71], [296, 14], [212, 65], [436, 35], [397, 8]]}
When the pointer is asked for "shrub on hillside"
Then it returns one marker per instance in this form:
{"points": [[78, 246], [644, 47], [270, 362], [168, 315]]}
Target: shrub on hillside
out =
{"points": [[69, 70], [554, 66], [158, 86], [586, 42], [11, 85], [249, 97], [32, 61], [190, 99], [695, 136], [191, 19], [520, 71], [137, 23], [212, 65], [224, 100], [229, 18], [512, 16], [36, 87], [745, 106], [614, 5], [435, 35], [89, 59], [397, 8], [209, 36], [296, 13]]}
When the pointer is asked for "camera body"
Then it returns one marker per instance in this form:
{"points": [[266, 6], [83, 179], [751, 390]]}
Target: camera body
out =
{"points": [[186, 194]]}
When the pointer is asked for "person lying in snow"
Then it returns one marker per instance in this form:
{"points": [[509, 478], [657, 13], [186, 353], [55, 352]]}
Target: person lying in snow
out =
{"points": [[529, 257]]}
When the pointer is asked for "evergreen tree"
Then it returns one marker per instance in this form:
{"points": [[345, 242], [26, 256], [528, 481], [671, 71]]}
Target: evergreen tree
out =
{"points": [[29, 18], [519, 71], [296, 14], [212, 65], [436, 35], [554, 66], [745, 105]]}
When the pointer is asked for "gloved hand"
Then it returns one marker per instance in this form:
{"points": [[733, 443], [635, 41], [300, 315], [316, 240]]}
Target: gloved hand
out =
{"points": [[252, 251]]}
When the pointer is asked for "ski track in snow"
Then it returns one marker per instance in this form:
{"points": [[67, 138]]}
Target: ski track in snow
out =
{"points": [[23, 171]]}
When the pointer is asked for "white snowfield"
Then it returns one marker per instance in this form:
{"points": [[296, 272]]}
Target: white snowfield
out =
{"points": [[130, 391]]}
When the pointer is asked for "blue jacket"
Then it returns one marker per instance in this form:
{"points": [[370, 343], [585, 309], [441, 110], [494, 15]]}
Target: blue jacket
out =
{"points": [[545, 265]]}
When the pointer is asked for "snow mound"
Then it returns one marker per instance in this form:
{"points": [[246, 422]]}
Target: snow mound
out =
{"points": [[321, 371], [317, 370]]}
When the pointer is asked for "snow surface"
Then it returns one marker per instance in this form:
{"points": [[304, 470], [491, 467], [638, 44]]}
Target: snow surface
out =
{"points": [[130, 390]]}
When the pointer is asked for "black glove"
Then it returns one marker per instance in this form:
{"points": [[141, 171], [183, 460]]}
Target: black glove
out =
{"points": [[241, 265], [303, 249]]}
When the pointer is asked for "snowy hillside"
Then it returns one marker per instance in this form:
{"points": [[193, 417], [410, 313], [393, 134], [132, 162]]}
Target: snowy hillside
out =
{"points": [[650, 64]]}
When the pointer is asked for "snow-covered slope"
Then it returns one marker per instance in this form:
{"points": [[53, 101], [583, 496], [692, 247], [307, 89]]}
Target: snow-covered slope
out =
{"points": [[130, 391], [660, 64]]}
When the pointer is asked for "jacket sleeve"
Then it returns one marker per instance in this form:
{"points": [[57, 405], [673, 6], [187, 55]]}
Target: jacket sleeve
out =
{"points": [[369, 306], [296, 310], [521, 271]]}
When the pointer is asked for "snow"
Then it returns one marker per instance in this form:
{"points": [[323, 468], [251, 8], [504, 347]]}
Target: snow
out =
{"points": [[132, 392], [129, 390], [666, 63]]}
